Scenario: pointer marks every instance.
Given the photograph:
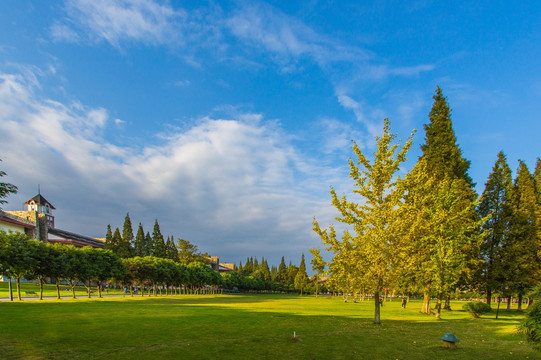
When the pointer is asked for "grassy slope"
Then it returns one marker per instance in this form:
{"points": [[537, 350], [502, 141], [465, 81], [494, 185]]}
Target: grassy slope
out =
{"points": [[247, 327]]}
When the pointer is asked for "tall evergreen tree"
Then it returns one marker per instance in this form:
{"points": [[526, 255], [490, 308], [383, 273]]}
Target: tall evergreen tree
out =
{"points": [[292, 271], [125, 247], [172, 252], [248, 266], [522, 261], [282, 272], [495, 205], [256, 264], [139, 245], [109, 239], [264, 270], [148, 245], [160, 250], [274, 273], [116, 241], [443, 155], [440, 168], [301, 278]]}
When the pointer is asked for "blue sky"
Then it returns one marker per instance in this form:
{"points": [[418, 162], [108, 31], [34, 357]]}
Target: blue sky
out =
{"points": [[228, 121]]}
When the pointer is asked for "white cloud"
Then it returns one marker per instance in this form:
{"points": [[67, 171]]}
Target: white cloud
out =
{"points": [[358, 108], [220, 181], [116, 21], [63, 33], [274, 31]]}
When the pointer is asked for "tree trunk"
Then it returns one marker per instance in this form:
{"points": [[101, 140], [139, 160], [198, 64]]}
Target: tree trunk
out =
{"points": [[18, 281], [447, 302], [498, 309], [57, 288], [509, 298], [438, 306], [88, 289], [519, 307], [426, 304], [10, 289], [489, 296], [41, 288], [377, 318]]}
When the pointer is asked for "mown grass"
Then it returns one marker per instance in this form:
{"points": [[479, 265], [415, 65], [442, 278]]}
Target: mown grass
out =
{"points": [[247, 327], [48, 290]]}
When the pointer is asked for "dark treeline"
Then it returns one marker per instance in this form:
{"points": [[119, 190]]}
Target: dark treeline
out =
{"points": [[289, 278], [126, 245]]}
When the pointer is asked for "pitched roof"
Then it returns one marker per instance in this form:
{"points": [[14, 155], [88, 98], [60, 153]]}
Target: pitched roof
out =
{"points": [[80, 239], [9, 220], [40, 200]]}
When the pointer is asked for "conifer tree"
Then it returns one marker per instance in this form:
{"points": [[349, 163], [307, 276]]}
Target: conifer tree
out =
{"points": [[537, 178], [443, 155], [248, 266], [115, 241], [301, 278], [148, 245], [282, 272], [264, 270], [440, 168], [495, 205], [172, 252], [274, 273], [139, 245], [125, 247], [374, 221], [256, 264], [291, 273], [109, 239], [522, 260], [160, 250]]}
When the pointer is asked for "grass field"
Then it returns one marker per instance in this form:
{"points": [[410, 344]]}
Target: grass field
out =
{"points": [[247, 327], [48, 290]]}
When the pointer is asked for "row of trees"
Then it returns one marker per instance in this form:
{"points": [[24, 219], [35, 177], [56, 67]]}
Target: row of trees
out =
{"points": [[428, 231], [126, 245], [21, 258], [284, 278]]}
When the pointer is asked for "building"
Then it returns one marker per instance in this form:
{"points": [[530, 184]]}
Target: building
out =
{"points": [[38, 223]]}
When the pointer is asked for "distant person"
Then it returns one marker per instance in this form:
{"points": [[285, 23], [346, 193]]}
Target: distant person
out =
{"points": [[404, 302]]}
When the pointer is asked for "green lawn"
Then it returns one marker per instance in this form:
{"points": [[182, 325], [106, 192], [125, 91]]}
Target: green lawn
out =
{"points": [[247, 327], [48, 290]]}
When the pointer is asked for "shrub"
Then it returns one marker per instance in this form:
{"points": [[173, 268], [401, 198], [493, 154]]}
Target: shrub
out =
{"points": [[476, 308], [531, 325]]}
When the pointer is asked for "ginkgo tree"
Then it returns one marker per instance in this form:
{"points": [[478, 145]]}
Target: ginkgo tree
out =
{"points": [[446, 231], [368, 245]]}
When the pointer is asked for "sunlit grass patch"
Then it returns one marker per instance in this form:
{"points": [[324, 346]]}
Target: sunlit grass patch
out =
{"points": [[246, 327]]}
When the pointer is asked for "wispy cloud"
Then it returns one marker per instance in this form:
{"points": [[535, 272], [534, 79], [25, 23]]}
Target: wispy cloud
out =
{"points": [[121, 20], [288, 38]]}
